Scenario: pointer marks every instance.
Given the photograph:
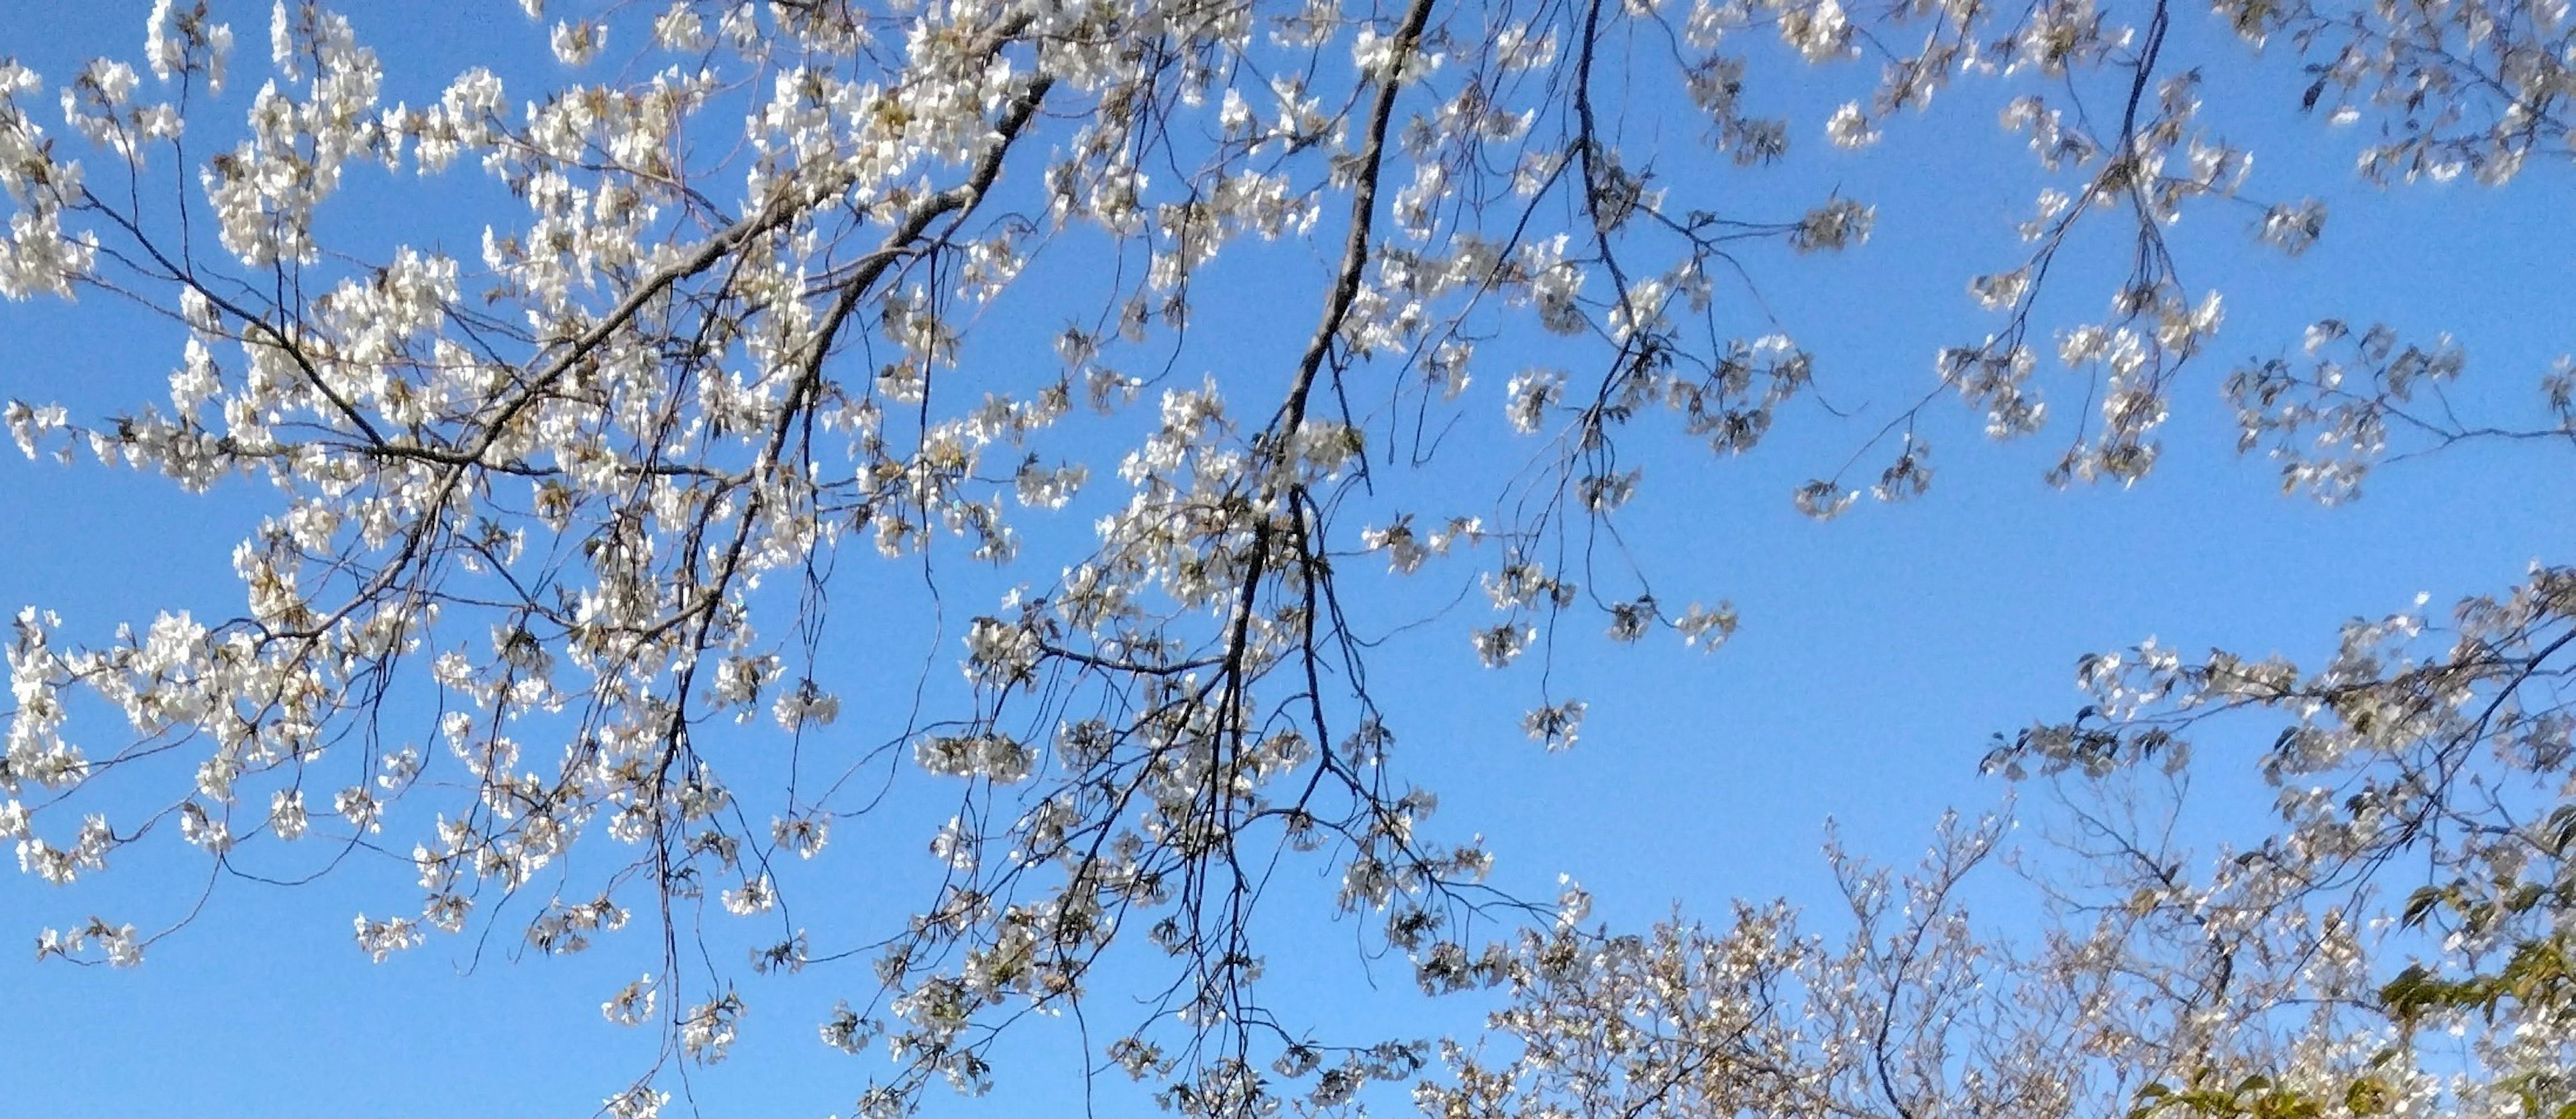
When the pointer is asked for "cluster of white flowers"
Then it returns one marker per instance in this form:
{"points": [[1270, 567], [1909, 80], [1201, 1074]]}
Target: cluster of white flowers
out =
{"points": [[380, 939], [2327, 423], [117, 944]]}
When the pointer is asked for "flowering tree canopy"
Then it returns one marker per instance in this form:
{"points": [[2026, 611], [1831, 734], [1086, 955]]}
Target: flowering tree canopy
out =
{"points": [[554, 526]]}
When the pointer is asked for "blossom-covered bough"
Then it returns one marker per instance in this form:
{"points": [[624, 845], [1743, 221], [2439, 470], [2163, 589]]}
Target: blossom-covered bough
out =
{"points": [[551, 519]]}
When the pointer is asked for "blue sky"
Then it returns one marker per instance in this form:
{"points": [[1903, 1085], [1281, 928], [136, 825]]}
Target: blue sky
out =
{"points": [[1878, 652]]}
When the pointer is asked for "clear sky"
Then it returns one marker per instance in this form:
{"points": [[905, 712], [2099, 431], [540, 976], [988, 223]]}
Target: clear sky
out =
{"points": [[1878, 653]]}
